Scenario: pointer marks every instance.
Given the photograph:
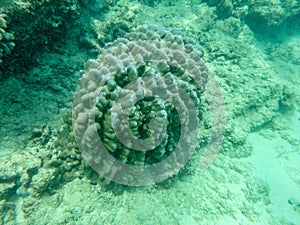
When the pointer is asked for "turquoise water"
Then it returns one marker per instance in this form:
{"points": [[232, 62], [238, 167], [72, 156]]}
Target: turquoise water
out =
{"points": [[247, 172]]}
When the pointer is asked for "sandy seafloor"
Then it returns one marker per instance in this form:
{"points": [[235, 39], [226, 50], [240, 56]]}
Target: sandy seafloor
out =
{"points": [[254, 180]]}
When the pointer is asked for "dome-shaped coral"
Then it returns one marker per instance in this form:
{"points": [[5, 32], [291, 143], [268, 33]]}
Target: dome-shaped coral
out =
{"points": [[136, 110]]}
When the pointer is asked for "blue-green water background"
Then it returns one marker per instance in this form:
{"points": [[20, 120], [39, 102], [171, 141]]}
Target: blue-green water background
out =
{"points": [[251, 47]]}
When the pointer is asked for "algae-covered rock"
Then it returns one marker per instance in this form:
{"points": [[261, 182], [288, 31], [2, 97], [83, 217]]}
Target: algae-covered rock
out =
{"points": [[36, 26], [44, 181], [60, 156], [115, 24], [16, 172], [258, 14], [272, 13]]}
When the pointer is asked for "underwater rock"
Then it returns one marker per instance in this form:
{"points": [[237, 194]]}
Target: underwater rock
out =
{"points": [[47, 18], [272, 13], [4, 3], [95, 5], [43, 181], [16, 172], [258, 14]]}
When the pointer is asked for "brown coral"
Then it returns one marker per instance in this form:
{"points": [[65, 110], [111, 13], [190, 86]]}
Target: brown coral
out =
{"points": [[6, 39], [141, 86]]}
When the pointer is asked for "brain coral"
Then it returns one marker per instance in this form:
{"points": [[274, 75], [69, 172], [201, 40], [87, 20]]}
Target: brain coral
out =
{"points": [[136, 110]]}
